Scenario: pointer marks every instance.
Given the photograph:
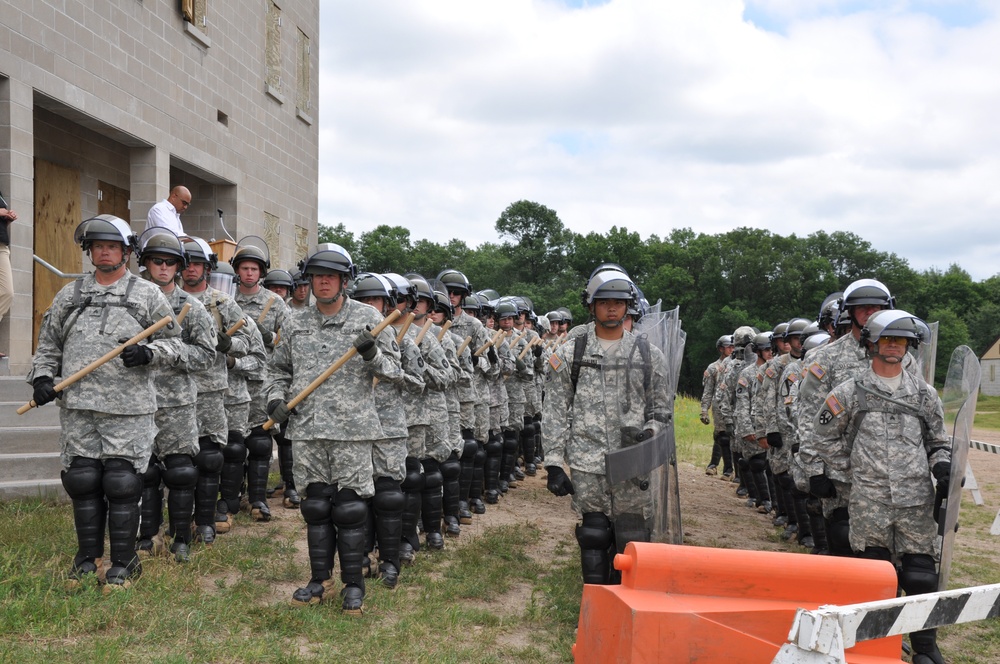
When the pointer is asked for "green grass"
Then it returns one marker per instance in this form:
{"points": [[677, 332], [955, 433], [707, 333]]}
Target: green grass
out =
{"points": [[988, 413], [223, 606]]}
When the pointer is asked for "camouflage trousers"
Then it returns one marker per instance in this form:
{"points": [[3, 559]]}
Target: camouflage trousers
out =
{"points": [[237, 415], [594, 494], [346, 463], [177, 431], [899, 529], [498, 416], [389, 458], [842, 498], [93, 435], [416, 444], [468, 414], [211, 413], [482, 428], [257, 414], [439, 441], [532, 402], [515, 416]]}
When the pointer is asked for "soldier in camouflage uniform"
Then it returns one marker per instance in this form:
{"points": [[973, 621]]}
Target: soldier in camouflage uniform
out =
{"points": [[176, 443], [532, 396], [385, 514], [826, 368], [333, 429], [605, 409], [107, 417], [300, 294], [268, 313], [280, 283], [884, 428], [725, 400], [507, 315], [217, 447], [720, 437], [746, 423], [765, 422]]}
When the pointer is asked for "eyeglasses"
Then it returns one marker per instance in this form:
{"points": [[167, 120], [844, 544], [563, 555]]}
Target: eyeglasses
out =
{"points": [[164, 261]]}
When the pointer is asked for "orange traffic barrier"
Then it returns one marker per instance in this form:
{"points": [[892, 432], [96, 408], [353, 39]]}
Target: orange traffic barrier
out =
{"points": [[698, 604]]}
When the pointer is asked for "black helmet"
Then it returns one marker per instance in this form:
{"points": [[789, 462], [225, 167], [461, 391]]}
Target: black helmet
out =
{"points": [[402, 289], [421, 289], [762, 341], [555, 316], [471, 303], [329, 258], [442, 303], [252, 248], [486, 305], [161, 241], [369, 284], [505, 308], [779, 330], [455, 282], [490, 294], [198, 251], [830, 308], [567, 314], [279, 278], [104, 227], [299, 278]]}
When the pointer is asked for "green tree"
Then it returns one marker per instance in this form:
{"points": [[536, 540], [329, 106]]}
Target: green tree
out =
{"points": [[386, 249], [339, 235], [539, 240], [952, 333]]}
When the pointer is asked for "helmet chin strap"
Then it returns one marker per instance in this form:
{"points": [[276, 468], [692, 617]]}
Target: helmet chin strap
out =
{"points": [[612, 324], [108, 269]]}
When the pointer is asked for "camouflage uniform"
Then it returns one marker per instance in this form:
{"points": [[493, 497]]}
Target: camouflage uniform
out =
{"points": [[253, 306], [465, 325]]}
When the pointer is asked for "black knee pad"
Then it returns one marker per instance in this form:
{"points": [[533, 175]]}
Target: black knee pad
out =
{"points": [[595, 532], [785, 481], [510, 441], [479, 458], [120, 481], [414, 479], [433, 478], [235, 452], [838, 533], [259, 444], [388, 496], [468, 434], [494, 446], [151, 478], [758, 463], [451, 467], [209, 458], [743, 464], [529, 425], [349, 510], [83, 478], [918, 574], [876, 553], [469, 449], [180, 472], [317, 506], [234, 437]]}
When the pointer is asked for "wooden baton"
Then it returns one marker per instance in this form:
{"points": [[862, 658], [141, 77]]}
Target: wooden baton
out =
{"points": [[444, 329]]}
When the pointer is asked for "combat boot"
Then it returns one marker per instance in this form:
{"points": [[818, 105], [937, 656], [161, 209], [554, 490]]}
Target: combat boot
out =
{"points": [[291, 500], [464, 513], [924, 645]]}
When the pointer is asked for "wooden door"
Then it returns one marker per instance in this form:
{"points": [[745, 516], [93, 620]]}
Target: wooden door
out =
{"points": [[57, 214], [113, 200]]}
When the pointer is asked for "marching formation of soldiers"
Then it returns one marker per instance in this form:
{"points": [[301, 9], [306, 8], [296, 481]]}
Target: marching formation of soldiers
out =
{"points": [[399, 405], [828, 426]]}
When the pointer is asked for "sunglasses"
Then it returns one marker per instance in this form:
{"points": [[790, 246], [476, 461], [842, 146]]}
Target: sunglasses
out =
{"points": [[893, 340], [164, 261]]}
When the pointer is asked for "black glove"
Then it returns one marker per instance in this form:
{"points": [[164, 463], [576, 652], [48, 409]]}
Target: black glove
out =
{"points": [[223, 342], [538, 350], [365, 345], [491, 355], [520, 365], [278, 410], [821, 487], [230, 361], [942, 473], [45, 390], [136, 355], [265, 334], [557, 482], [704, 418], [774, 440]]}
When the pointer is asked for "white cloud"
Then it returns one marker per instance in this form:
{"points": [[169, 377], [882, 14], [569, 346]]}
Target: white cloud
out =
{"points": [[656, 115]]}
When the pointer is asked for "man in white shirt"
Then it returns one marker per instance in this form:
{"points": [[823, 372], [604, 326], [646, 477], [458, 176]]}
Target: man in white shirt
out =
{"points": [[167, 213]]}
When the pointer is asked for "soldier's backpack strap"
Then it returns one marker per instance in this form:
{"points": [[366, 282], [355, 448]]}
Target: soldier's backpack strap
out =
{"points": [[893, 406], [579, 349]]}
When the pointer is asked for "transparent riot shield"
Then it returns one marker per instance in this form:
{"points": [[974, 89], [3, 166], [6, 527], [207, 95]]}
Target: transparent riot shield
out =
{"points": [[926, 353], [651, 464], [959, 396]]}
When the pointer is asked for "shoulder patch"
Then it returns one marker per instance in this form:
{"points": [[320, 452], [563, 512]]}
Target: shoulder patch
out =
{"points": [[769, 372], [816, 370], [742, 381], [794, 377], [760, 377], [834, 405], [555, 362], [706, 373]]}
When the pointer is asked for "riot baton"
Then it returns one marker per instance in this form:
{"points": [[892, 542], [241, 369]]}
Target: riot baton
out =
{"points": [[333, 368], [423, 331], [444, 329], [491, 342], [399, 337], [104, 359], [267, 307], [465, 344], [528, 346], [236, 327]]}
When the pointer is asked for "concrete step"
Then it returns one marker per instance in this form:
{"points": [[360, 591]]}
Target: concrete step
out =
{"points": [[13, 388], [47, 489], [47, 415], [24, 467], [26, 440]]}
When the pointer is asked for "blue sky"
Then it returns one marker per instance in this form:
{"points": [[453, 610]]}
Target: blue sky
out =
{"points": [[793, 115]]}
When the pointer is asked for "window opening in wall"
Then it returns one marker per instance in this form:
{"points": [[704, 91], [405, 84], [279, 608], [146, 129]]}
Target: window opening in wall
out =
{"points": [[222, 118], [272, 47], [303, 74]]}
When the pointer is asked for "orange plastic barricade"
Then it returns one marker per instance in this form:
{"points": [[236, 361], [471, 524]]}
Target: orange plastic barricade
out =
{"points": [[698, 604]]}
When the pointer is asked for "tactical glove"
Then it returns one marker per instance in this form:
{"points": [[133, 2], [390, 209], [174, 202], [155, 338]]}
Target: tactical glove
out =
{"points": [[265, 334], [520, 365], [538, 350], [45, 390], [822, 487], [942, 473], [136, 355], [557, 482], [230, 361], [223, 342], [491, 354], [278, 411], [775, 440], [704, 418], [364, 343]]}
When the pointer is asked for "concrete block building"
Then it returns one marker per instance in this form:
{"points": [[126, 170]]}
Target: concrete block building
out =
{"points": [[104, 106]]}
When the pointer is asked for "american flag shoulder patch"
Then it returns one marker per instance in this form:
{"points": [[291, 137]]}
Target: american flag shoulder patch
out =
{"points": [[742, 381], [759, 377], [555, 362], [834, 405], [817, 370], [769, 372]]}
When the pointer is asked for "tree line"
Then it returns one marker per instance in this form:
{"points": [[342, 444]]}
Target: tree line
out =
{"points": [[744, 276]]}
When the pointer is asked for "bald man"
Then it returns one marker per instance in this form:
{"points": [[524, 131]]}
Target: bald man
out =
{"points": [[167, 213]]}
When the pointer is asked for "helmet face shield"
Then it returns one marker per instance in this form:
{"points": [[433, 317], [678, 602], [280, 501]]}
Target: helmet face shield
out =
{"points": [[329, 258], [104, 227], [894, 323]]}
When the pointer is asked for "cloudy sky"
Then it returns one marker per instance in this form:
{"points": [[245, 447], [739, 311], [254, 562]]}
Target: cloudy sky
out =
{"points": [[880, 117]]}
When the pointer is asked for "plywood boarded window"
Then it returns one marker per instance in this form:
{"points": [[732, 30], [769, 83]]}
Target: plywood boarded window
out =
{"points": [[301, 242], [303, 74], [195, 12], [271, 229], [272, 46]]}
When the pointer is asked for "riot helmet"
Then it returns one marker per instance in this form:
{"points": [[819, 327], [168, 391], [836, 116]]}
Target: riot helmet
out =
{"points": [[490, 294], [252, 248], [402, 289], [369, 284], [329, 258], [762, 341], [815, 340], [161, 241], [743, 336], [893, 323], [471, 303], [603, 267], [421, 288], [442, 303], [198, 251], [724, 341], [279, 278], [830, 309], [223, 278], [609, 285], [864, 292], [104, 227], [505, 308], [455, 282], [796, 326]]}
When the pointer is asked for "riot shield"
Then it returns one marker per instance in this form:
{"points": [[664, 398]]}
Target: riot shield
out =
{"points": [[926, 353], [959, 396], [651, 464]]}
